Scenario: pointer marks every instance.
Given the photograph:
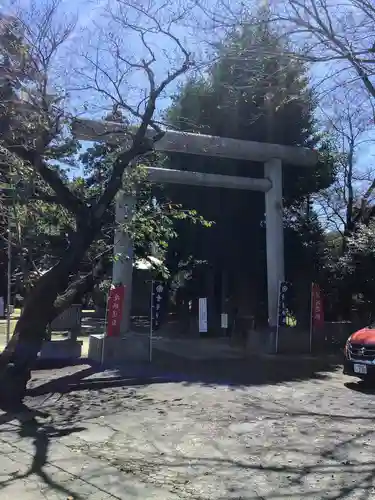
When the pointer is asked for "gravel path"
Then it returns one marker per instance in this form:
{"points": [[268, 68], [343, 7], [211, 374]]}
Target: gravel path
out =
{"points": [[296, 439]]}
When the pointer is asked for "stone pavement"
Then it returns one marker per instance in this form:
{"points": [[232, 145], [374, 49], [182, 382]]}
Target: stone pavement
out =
{"points": [[108, 436]]}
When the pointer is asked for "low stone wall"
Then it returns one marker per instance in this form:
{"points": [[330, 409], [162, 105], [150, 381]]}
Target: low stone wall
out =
{"points": [[289, 341], [331, 338], [70, 319], [333, 335]]}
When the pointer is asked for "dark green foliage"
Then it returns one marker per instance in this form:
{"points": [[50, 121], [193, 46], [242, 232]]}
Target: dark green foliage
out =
{"points": [[252, 92], [153, 224]]}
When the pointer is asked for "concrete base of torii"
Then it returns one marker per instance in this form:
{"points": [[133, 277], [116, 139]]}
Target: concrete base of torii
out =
{"points": [[131, 347]]}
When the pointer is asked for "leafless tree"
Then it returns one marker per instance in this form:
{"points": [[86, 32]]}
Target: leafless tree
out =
{"points": [[349, 200]]}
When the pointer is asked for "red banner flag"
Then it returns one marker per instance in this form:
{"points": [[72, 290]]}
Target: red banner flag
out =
{"points": [[317, 310], [115, 309]]}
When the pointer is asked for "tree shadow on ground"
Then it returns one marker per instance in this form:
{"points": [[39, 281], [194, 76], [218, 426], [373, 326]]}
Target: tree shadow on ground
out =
{"points": [[291, 468], [41, 434], [172, 368], [294, 477], [262, 370], [361, 386], [294, 462]]}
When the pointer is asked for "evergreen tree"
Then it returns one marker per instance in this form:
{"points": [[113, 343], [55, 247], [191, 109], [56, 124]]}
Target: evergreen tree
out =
{"points": [[252, 92]]}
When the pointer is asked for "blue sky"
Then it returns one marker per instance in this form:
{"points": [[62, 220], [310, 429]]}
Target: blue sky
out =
{"points": [[91, 21]]}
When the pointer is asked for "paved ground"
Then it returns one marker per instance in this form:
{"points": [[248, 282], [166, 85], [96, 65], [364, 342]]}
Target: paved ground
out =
{"points": [[283, 433]]}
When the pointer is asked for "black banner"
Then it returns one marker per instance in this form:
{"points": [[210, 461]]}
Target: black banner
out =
{"points": [[158, 290], [284, 292]]}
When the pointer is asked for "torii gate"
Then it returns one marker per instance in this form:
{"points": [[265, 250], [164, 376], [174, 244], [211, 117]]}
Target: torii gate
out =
{"points": [[271, 155]]}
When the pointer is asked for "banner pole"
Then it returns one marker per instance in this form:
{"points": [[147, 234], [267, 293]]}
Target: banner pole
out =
{"points": [[278, 320], [151, 320], [105, 328], [311, 315]]}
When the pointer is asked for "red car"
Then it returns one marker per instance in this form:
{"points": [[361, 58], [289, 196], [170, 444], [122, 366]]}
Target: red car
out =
{"points": [[360, 354]]}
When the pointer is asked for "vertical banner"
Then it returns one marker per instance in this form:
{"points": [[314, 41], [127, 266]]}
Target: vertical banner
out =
{"points": [[202, 315], [157, 293], [282, 313], [282, 310], [317, 312], [114, 310]]}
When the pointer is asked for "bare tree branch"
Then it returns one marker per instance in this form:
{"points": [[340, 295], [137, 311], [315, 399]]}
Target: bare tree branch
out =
{"points": [[347, 199], [327, 31], [111, 80]]}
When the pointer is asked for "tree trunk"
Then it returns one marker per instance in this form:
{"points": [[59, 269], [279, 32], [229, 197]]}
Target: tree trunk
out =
{"points": [[39, 310]]}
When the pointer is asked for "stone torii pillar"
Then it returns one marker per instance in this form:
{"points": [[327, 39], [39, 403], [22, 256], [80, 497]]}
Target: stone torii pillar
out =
{"points": [[274, 236], [122, 269]]}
